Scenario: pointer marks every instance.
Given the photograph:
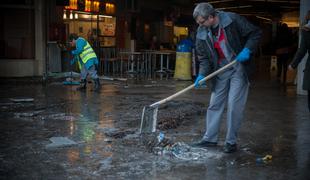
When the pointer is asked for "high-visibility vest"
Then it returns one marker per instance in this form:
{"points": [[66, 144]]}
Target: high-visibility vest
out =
{"points": [[86, 54]]}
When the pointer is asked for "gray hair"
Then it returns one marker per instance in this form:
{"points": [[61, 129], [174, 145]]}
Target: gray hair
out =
{"points": [[204, 10]]}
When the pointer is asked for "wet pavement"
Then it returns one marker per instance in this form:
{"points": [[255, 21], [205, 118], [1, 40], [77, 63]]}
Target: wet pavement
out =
{"points": [[99, 139]]}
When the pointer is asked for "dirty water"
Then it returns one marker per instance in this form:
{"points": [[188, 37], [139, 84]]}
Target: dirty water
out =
{"points": [[104, 128]]}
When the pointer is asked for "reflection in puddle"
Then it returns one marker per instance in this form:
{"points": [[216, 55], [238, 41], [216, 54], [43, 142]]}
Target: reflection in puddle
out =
{"points": [[73, 155]]}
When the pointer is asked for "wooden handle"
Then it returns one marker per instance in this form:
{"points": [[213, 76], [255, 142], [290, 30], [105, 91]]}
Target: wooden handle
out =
{"points": [[193, 85]]}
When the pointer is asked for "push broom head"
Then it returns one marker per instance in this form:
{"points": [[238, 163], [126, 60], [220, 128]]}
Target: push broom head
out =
{"points": [[148, 119]]}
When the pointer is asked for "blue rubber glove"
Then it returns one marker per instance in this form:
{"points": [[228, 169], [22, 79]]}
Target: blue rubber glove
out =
{"points": [[200, 77], [244, 55]]}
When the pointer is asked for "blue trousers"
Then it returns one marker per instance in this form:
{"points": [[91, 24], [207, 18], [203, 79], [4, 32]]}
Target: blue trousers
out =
{"points": [[91, 71]]}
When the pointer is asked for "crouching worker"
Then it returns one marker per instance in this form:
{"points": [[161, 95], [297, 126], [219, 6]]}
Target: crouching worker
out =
{"points": [[87, 60]]}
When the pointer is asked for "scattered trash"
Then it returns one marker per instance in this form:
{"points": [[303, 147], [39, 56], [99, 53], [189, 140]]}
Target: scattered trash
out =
{"points": [[22, 100], [186, 152], [156, 143], [246, 163], [246, 150], [160, 137], [54, 115], [27, 114], [151, 85], [232, 162], [106, 163], [266, 159], [108, 140], [58, 142], [116, 133], [161, 145], [58, 116], [136, 135]]}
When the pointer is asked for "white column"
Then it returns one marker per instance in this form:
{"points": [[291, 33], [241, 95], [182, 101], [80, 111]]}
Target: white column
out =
{"points": [[304, 8]]}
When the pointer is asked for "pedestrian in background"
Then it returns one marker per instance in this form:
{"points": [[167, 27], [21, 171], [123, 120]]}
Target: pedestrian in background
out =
{"points": [[154, 44], [86, 59], [301, 52], [221, 38], [284, 44]]}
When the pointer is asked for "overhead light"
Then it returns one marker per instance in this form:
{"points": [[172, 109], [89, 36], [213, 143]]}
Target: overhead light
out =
{"points": [[65, 15], [71, 15], [76, 16]]}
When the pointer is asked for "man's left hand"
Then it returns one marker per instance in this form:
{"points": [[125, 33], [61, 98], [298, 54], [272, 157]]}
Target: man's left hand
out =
{"points": [[244, 55]]}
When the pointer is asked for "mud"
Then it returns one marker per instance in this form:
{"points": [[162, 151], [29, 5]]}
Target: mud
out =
{"points": [[108, 146]]}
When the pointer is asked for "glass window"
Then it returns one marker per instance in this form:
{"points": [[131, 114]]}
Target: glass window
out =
{"points": [[17, 33]]}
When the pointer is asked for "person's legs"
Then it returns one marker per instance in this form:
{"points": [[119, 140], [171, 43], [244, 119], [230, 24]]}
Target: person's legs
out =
{"points": [[93, 74], [237, 97], [83, 76], [279, 66], [284, 64], [216, 107]]}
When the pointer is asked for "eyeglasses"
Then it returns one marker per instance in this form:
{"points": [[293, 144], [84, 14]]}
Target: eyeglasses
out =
{"points": [[202, 21]]}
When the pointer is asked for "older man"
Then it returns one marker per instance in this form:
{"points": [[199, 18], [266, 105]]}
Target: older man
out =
{"points": [[221, 38]]}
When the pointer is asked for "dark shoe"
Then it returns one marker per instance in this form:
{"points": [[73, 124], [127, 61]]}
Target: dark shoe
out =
{"points": [[204, 143], [82, 86], [230, 148], [97, 84]]}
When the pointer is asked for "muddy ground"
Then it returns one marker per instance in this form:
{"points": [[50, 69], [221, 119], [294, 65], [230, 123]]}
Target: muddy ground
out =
{"points": [[105, 130]]}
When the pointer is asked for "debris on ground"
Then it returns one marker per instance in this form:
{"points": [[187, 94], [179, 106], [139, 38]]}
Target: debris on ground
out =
{"points": [[59, 116], [27, 114], [117, 133], [22, 99], [105, 164], [58, 142], [108, 140], [174, 113], [266, 159], [163, 146]]}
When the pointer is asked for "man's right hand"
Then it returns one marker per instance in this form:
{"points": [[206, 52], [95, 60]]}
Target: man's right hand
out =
{"points": [[200, 77]]}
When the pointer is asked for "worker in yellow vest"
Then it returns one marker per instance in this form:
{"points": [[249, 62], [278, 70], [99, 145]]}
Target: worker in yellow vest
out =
{"points": [[87, 60]]}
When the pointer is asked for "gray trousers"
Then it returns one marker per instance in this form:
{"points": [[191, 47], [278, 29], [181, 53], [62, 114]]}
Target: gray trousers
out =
{"points": [[91, 71], [231, 87]]}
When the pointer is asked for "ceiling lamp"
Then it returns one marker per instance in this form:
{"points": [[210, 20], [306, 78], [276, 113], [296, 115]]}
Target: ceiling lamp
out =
{"points": [[65, 15], [71, 15]]}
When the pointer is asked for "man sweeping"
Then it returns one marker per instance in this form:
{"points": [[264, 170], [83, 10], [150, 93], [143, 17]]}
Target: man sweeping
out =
{"points": [[87, 60], [221, 38]]}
